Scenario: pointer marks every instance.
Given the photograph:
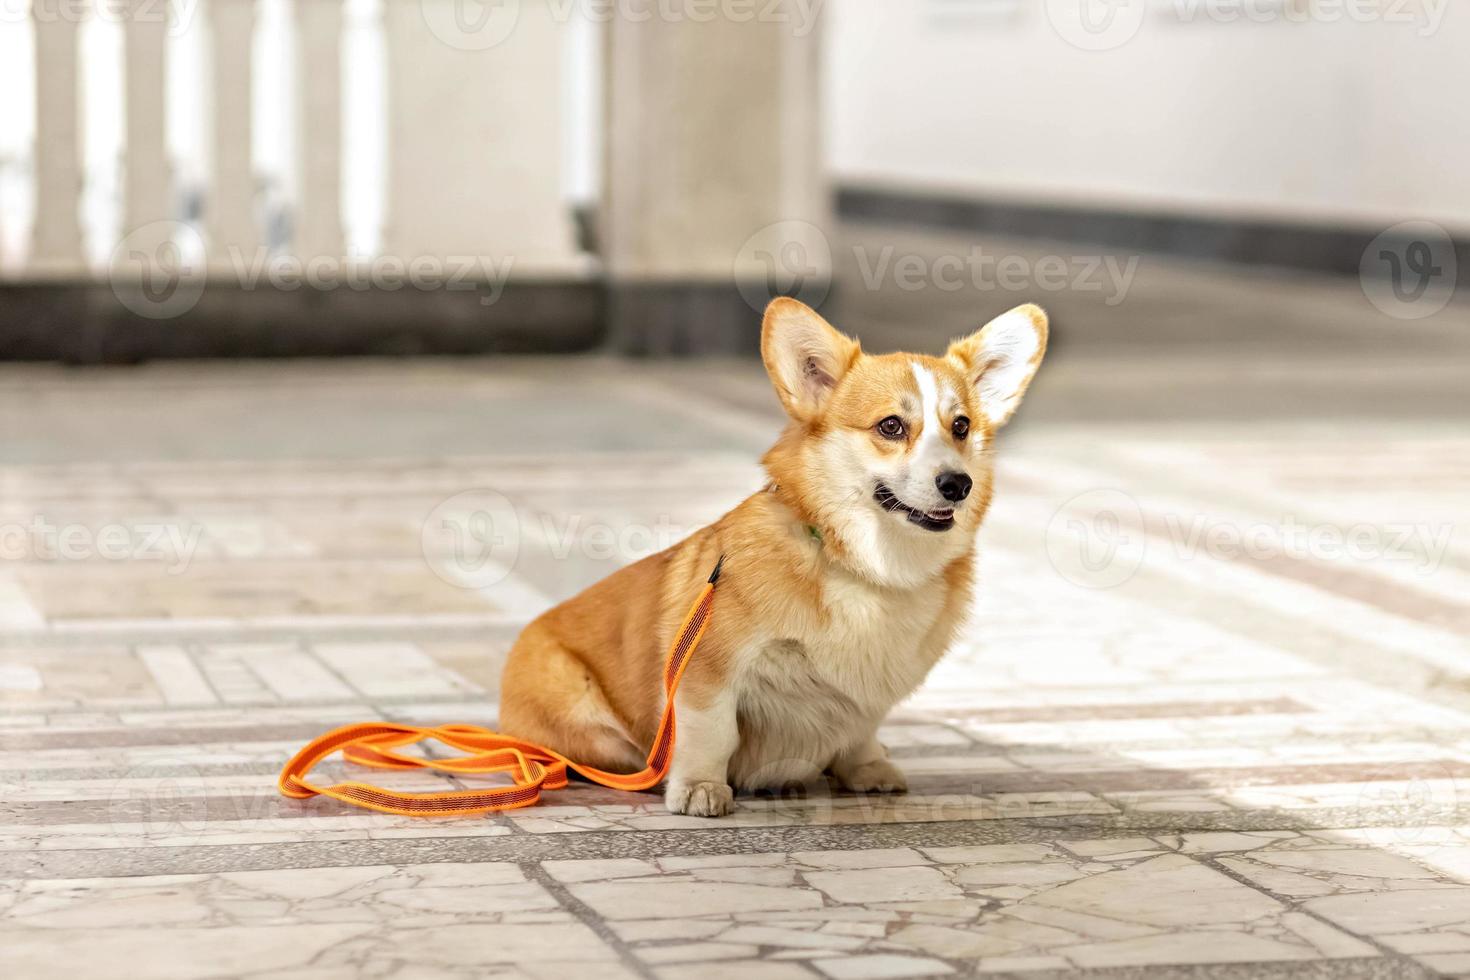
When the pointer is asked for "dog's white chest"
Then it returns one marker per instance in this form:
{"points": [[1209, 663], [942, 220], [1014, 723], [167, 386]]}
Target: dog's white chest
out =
{"points": [[869, 643], [822, 681]]}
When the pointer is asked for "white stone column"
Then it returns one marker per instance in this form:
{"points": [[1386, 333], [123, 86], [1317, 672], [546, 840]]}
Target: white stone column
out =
{"points": [[475, 134], [318, 232], [148, 203], [230, 221], [56, 239], [713, 199]]}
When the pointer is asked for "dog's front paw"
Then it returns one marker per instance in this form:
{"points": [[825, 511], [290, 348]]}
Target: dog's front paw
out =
{"points": [[878, 776], [700, 799]]}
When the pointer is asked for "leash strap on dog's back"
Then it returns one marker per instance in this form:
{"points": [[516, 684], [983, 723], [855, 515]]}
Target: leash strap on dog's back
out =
{"points": [[531, 768]]}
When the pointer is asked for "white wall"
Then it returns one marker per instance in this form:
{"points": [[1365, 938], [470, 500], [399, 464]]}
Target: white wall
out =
{"points": [[1342, 123]]}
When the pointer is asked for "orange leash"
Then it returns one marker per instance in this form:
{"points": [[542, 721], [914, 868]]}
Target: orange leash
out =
{"points": [[531, 768]]}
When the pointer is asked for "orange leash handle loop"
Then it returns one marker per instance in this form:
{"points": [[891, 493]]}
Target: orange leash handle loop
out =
{"points": [[530, 767]]}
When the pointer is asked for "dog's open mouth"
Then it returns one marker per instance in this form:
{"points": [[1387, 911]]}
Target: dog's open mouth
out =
{"points": [[930, 520]]}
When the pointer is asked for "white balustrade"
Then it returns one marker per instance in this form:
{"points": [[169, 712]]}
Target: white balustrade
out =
{"points": [[717, 97], [475, 118], [475, 133], [318, 232], [56, 237], [230, 221], [147, 186], [478, 95]]}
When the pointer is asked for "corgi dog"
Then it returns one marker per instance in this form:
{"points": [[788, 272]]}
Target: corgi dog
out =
{"points": [[844, 580]]}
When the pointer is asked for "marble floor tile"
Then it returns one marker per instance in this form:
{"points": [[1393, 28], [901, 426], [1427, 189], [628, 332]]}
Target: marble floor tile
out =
{"points": [[1157, 906], [1222, 766], [455, 917], [1396, 892]]}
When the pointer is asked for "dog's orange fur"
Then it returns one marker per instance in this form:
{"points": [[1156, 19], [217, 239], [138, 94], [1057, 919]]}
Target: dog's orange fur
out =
{"points": [[829, 610]]}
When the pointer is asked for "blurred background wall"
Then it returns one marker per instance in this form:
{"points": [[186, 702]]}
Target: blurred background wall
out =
{"points": [[1273, 109], [275, 177]]}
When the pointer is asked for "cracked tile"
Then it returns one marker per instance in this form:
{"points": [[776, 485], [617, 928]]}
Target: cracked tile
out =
{"points": [[884, 885], [882, 967], [1062, 906], [478, 916]]}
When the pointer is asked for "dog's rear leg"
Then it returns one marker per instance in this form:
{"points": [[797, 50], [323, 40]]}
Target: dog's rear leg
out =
{"points": [[864, 768], [548, 696]]}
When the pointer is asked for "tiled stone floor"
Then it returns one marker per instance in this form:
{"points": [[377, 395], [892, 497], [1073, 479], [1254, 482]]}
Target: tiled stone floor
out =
{"points": [[1211, 718]]}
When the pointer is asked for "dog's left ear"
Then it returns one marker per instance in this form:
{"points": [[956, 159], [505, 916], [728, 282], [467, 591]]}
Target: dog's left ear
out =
{"points": [[804, 356], [1001, 358]]}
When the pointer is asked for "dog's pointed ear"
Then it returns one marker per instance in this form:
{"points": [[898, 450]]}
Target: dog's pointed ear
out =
{"points": [[1001, 358], [804, 356]]}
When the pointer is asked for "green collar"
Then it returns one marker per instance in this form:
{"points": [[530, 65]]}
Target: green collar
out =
{"points": [[811, 529]]}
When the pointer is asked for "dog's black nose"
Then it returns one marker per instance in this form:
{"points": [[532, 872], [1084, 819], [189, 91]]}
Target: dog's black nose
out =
{"points": [[954, 487]]}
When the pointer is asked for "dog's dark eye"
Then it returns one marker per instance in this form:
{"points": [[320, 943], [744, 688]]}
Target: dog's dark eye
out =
{"points": [[891, 427], [960, 427]]}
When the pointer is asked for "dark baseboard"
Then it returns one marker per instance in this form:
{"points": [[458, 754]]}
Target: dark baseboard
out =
{"points": [[90, 323], [1255, 243], [681, 319], [87, 322]]}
